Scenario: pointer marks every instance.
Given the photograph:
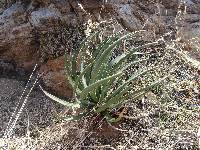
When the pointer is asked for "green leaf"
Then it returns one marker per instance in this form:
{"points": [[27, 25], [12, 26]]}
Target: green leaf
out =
{"points": [[81, 76], [97, 84], [150, 86], [118, 61], [105, 90], [133, 63], [106, 44], [105, 56], [111, 101], [133, 77], [141, 92], [121, 90], [102, 46], [71, 105], [82, 47]]}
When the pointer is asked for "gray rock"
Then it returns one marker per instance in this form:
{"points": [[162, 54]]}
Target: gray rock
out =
{"points": [[43, 16], [23, 24]]}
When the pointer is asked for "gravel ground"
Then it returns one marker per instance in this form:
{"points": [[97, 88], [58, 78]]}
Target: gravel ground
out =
{"points": [[38, 114]]}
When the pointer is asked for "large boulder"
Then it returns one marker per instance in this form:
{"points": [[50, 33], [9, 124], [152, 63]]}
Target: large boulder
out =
{"points": [[39, 31]]}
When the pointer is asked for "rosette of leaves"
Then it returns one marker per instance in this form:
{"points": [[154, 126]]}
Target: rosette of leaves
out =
{"points": [[97, 77]]}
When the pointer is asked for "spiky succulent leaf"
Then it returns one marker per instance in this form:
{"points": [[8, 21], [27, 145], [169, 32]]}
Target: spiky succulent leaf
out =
{"points": [[95, 85], [118, 61], [133, 77], [137, 94], [80, 77], [121, 90], [83, 47], [105, 56], [97, 79], [68, 104]]}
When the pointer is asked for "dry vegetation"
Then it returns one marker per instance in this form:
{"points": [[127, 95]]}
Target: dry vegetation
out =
{"points": [[168, 117]]}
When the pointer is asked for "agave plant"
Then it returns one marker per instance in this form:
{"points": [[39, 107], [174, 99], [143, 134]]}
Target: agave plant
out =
{"points": [[97, 77]]}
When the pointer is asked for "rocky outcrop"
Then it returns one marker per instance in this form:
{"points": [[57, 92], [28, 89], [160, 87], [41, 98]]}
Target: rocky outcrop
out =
{"points": [[39, 31]]}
